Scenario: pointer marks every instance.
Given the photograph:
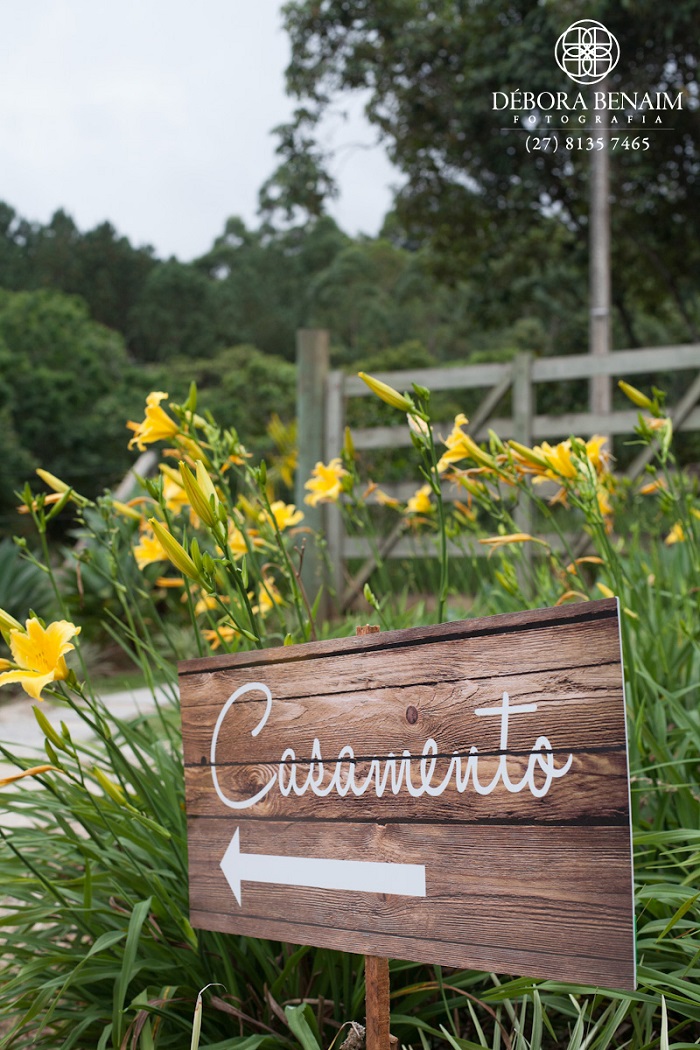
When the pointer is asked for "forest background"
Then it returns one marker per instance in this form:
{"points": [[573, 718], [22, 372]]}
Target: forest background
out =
{"points": [[484, 253]]}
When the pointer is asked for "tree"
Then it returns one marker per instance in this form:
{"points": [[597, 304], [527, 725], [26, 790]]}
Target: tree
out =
{"points": [[66, 391], [175, 314], [431, 71], [260, 280]]}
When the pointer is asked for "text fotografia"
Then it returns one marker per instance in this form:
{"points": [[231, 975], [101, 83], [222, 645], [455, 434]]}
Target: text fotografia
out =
{"points": [[416, 775], [601, 107]]}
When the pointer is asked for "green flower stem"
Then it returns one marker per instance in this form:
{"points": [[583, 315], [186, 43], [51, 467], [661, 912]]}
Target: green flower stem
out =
{"points": [[434, 479], [297, 595]]}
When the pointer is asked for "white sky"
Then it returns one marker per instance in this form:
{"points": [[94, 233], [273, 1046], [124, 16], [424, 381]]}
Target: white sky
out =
{"points": [[156, 115]]}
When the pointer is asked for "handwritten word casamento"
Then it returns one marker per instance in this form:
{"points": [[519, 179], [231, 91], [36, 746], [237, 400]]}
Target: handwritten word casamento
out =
{"points": [[414, 773]]}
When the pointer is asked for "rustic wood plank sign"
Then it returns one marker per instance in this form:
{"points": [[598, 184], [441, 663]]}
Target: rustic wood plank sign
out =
{"points": [[456, 794]]}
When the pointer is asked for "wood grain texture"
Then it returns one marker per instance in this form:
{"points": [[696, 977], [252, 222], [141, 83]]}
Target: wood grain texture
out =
{"points": [[377, 1035], [515, 881]]}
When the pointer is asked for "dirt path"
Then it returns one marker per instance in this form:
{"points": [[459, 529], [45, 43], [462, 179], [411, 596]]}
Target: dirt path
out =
{"points": [[20, 733]]}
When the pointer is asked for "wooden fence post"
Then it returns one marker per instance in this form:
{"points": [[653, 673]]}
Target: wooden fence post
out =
{"points": [[312, 370]]}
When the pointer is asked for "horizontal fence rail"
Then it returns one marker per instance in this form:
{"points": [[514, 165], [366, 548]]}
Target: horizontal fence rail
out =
{"points": [[521, 377]]}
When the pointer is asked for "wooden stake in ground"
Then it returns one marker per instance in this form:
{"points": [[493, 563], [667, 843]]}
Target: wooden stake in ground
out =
{"points": [[377, 1035]]}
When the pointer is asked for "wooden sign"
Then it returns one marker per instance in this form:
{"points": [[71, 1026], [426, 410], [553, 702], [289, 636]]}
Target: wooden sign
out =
{"points": [[456, 794]]}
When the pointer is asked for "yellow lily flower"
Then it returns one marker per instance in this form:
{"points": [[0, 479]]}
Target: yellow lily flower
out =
{"points": [[285, 515], [174, 550], [157, 425], [676, 535], [215, 637], [38, 655], [457, 446], [52, 481], [200, 490], [636, 396], [127, 510], [148, 550], [495, 542], [237, 540], [387, 393], [657, 485], [385, 500], [268, 598], [325, 483], [420, 503], [174, 495], [35, 771], [8, 623], [52, 497]]}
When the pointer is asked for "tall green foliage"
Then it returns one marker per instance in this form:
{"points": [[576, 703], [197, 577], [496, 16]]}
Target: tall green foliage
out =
{"points": [[65, 389], [97, 949]]}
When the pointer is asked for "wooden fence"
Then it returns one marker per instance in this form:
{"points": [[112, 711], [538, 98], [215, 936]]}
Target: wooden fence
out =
{"points": [[323, 396]]}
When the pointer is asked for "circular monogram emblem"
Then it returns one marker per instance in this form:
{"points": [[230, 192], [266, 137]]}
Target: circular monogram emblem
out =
{"points": [[587, 51]]}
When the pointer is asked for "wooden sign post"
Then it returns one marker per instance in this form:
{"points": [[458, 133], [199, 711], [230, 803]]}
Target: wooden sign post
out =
{"points": [[456, 794], [377, 1028]]}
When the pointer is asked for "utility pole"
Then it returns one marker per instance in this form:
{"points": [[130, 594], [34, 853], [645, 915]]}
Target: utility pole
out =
{"points": [[599, 339]]}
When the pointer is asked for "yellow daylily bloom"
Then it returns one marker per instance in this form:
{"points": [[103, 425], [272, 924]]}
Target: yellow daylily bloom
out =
{"points": [[126, 510], [237, 540], [48, 500], [157, 425], [201, 493], [597, 452], [636, 396], [205, 603], [657, 485], [559, 459], [170, 581], [495, 542], [387, 393], [268, 598], [174, 495], [419, 503], [385, 500], [35, 771], [325, 483], [461, 445], [8, 623], [528, 456], [457, 447], [604, 504], [286, 515], [38, 655], [215, 637], [568, 596], [148, 550], [52, 481], [676, 535], [605, 590], [174, 550], [419, 426], [587, 559]]}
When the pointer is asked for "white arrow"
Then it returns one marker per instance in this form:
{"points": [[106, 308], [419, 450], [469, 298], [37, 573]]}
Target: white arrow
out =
{"points": [[363, 876]]}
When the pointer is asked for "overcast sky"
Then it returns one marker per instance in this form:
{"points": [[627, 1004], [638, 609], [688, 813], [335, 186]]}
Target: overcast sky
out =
{"points": [[156, 115]]}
